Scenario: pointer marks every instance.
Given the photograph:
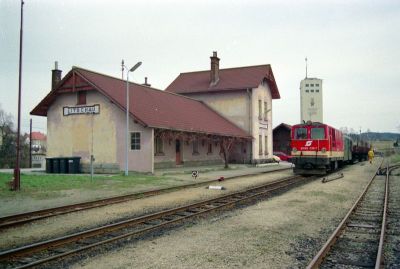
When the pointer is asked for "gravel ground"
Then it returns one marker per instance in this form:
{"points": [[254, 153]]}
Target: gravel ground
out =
{"points": [[282, 232], [60, 225], [180, 176]]}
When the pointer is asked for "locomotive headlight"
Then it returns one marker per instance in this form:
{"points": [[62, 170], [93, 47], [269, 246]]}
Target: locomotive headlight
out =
{"points": [[323, 150], [294, 150]]}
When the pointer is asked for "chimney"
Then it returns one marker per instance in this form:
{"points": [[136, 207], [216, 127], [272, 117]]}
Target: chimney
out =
{"points": [[145, 82], [214, 74], [55, 76]]}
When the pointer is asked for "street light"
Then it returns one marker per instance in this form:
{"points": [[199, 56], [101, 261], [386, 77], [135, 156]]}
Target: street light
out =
{"points": [[136, 66]]}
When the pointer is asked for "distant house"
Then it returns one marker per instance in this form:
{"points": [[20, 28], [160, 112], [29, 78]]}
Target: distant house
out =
{"points": [[39, 146], [282, 139], [86, 115], [243, 95]]}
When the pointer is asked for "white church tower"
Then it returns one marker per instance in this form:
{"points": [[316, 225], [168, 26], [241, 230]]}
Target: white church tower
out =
{"points": [[311, 108]]}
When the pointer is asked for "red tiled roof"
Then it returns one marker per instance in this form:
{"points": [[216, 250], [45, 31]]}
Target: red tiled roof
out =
{"points": [[154, 108], [229, 79], [38, 136]]}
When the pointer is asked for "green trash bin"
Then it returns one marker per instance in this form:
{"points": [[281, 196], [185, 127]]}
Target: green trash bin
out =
{"points": [[56, 165], [49, 165], [63, 165], [74, 165]]}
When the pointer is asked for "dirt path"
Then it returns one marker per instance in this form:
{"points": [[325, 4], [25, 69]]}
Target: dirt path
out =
{"points": [[282, 232]]}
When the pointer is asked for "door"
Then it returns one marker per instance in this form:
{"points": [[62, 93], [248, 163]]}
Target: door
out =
{"points": [[178, 152]]}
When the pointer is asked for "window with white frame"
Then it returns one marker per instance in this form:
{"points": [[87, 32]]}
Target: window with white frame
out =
{"points": [[135, 141], [260, 151], [265, 145], [265, 110]]}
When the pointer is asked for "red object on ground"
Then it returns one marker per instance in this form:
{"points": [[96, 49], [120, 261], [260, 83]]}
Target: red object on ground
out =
{"points": [[221, 179], [283, 156]]}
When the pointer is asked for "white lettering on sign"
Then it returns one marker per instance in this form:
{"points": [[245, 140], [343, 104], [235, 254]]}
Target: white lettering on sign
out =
{"points": [[95, 109], [308, 143]]}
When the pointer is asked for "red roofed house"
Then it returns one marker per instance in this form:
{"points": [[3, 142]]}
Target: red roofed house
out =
{"points": [[243, 95], [38, 149], [86, 116]]}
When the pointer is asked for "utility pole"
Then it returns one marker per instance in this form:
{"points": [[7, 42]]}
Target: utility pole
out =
{"points": [[17, 171]]}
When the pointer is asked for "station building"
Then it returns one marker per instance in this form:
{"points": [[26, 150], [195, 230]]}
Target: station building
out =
{"points": [[86, 115], [243, 95]]}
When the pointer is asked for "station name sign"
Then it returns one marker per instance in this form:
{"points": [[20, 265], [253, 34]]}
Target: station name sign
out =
{"points": [[95, 109]]}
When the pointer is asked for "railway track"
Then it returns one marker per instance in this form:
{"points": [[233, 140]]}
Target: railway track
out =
{"points": [[19, 219], [58, 248], [359, 240], [391, 255]]}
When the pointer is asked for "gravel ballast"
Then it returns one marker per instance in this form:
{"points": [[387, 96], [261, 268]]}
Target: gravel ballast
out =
{"points": [[60, 225], [282, 232]]}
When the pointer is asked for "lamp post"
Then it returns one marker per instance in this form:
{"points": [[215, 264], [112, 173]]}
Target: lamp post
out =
{"points": [[136, 66]]}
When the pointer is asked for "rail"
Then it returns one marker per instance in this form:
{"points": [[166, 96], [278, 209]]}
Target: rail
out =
{"points": [[19, 219], [70, 244], [319, 257]]}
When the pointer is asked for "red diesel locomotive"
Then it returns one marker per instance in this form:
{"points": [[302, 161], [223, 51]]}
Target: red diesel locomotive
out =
{"points": [[318, 148]]}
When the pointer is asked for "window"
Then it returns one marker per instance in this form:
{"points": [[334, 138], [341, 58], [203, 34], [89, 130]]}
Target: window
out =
{"points": [[265, 110], [81, 98], [159, 146], [209, 148], [316, 90], [312, 85], [318, 133], [300, 133], [259, 109], [260, 151], [312, 90], [317, 85], [306, 85], [307, 91], [265, 145], [135, 141], [195, 147]]}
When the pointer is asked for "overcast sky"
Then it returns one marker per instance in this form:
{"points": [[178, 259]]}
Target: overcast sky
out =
{"points": [[352, 45]]}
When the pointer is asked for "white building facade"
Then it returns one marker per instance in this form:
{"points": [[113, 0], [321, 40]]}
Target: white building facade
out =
{"points": [[244, 96], [311, 101]]}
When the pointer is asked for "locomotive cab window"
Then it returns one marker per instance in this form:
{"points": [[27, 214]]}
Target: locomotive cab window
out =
{"points": [[300, 133], [317, 133]]}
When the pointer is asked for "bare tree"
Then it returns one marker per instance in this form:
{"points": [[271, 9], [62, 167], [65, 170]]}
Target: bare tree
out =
{"points": [[6, 123], [7, 139], [8, 145]]}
